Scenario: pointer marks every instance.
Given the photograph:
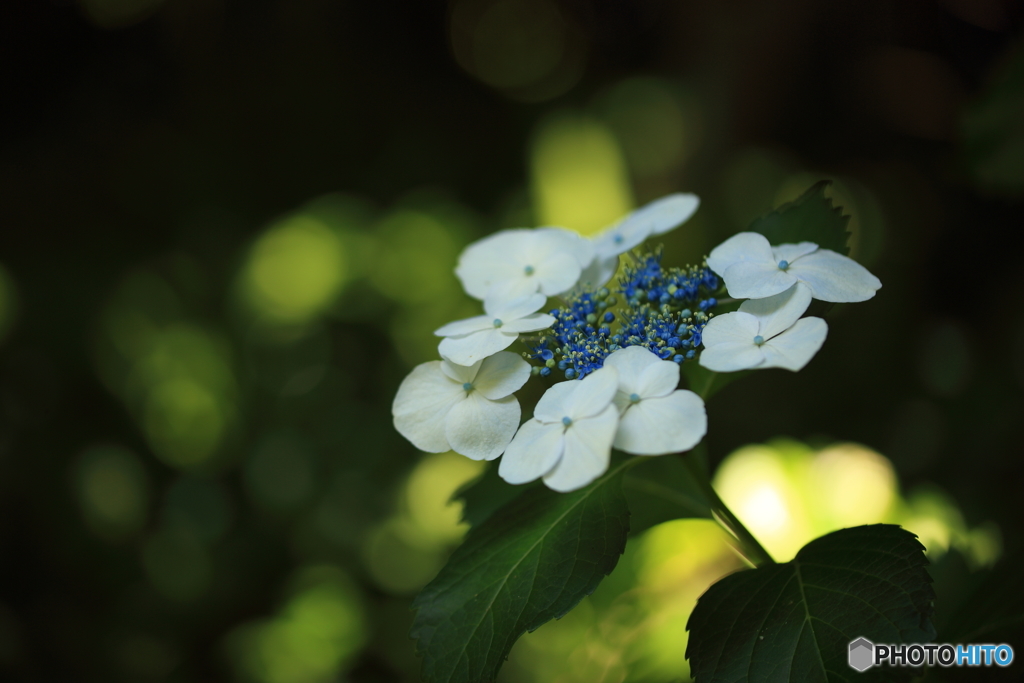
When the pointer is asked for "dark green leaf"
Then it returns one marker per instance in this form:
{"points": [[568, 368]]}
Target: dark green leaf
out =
{"points": [[810, 218], [529, 562], [661, 489], [794, 621], [485, 494]]}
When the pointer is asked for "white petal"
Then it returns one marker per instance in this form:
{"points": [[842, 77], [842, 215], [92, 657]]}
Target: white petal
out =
{"points": [[513, 287], [552, 405], [655, 218], [669, 424], [501, 374], [794, 348], [512, 309], [776, 314], [756, 279], [474, 347], [593, 394], [834, 277], [731, 357], [734, 327], [467, 326], [567, 241], [631, 362], [497, 258], [791, 252], [588, 449], [460, 373], [535, 449], [529, 323], [729, 343], [669, 212], [597, 274], [557, 273], [743, 246], [660, 379], [479, 428], [620, 238], [423, 400]]}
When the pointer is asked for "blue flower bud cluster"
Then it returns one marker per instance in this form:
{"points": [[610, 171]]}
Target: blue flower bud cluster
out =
{"points": [[655, 313]]}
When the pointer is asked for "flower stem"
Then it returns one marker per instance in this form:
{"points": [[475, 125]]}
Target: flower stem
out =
{"points": [[749, 547]]}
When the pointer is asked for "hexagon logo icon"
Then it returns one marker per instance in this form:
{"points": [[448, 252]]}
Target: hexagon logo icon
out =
{"points": [[862, 654]]}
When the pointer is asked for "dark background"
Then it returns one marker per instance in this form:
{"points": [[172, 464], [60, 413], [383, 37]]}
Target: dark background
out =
{"points": [[152, 142]]}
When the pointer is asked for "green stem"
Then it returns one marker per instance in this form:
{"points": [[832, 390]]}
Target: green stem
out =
{"points": [[749, 547]]}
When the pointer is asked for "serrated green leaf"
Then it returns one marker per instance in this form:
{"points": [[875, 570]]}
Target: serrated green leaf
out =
{"points": [[485, 494], [809, 218], [529, 562], [794, 621], [661, 489]]}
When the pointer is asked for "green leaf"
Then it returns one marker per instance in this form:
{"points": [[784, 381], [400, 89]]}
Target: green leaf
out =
{"points": [[794, 621], [530, 561], [661, 489], [810, 218], [485, 494]]}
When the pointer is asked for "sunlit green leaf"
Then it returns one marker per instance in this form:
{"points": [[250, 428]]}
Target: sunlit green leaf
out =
{"points": [[809, 218], [794, 621], [529, 562]]}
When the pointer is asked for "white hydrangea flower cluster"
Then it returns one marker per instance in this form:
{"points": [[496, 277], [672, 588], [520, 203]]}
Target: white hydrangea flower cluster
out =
{"points": [[621, 389], [778, 283]]}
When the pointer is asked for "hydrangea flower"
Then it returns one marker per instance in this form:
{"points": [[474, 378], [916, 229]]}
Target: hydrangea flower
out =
{"points": [[468, 341], [754, 269], [764, 333], [569, 439], [655, 218], [655, 418], [442, 406], [514, 263]]}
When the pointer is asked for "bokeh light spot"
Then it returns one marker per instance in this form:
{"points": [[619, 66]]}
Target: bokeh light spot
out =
{"points": [[524, 48], [397, 559], [758, 484], [295, 271], [184, 421], [656, 131], [429, 493], [851, 485], [578, 177], [414, 261], [311, 640], [113, 491]]}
